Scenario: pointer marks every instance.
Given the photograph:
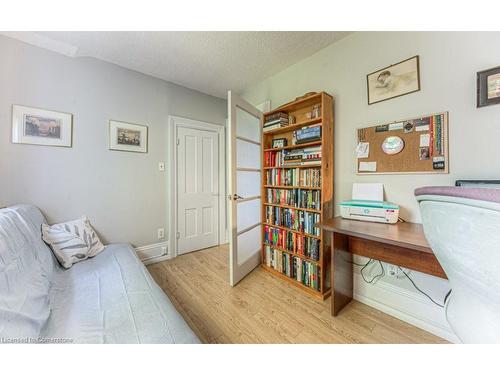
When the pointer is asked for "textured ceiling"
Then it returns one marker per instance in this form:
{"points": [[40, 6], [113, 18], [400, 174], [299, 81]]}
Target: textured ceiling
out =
{"points": [[210, 62]]}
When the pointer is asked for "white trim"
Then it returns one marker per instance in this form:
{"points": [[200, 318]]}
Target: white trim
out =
{"points": [[42, 41], [174, 122], [410, 307], [153, 253]]}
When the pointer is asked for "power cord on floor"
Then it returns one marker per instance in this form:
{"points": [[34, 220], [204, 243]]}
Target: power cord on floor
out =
{"points": [[425, 294]]}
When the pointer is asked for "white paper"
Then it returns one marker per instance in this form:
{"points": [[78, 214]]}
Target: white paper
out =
{"points": [[425, 140], [362, 150], [396, 126], [368, 166], [370, 192], [422, 128]]}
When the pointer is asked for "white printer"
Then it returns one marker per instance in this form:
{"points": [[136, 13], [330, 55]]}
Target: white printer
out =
{"points": [[367, 204], [379, 211]]}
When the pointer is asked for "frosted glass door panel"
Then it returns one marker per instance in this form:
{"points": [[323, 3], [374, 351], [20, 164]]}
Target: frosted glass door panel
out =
{"points": [[248, 214], [247, 125], [247, 155], [244, 170], [247, 184], [249, 244]]}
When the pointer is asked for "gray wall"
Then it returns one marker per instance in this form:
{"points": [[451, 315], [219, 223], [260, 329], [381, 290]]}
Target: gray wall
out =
{"points": [[123, 193], [448, 65]]}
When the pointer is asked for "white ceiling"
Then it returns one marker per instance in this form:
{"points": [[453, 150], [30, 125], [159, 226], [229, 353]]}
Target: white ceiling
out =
{"points": [[210, 62]]}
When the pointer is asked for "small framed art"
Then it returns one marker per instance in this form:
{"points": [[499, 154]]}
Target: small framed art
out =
{"points": [[488, 87], [36, 126], [279, 142], [395, 80], [124, 136]]}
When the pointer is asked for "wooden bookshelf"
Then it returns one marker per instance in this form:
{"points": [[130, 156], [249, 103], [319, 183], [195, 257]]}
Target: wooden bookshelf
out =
{"points": [[300, 109]]}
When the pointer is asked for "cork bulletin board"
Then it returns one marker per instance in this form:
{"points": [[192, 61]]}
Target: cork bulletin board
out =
{"points": [[420, 146]]}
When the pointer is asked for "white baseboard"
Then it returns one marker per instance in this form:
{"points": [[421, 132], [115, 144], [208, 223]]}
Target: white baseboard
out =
{"points": [[407, 306], [153, 253]]}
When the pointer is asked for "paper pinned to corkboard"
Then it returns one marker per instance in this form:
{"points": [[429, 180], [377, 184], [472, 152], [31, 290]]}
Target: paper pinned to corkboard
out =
{"points": [[425, 146]]}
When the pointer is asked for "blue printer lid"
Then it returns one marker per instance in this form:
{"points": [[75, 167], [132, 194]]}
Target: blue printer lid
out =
{"points": [[371, 204]]}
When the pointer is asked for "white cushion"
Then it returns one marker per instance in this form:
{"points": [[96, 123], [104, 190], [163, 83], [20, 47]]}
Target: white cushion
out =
{"points": [[72, 241]]}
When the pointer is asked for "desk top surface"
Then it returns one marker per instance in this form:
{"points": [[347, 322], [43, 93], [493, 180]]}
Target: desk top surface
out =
{"points": [[407, 235]]}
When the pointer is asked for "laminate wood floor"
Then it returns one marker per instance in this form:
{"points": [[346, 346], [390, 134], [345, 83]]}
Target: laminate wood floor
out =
{"points": [[265, 309]]}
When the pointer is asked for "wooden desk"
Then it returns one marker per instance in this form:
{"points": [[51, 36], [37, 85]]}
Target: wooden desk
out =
{"points": [[402, 244]]}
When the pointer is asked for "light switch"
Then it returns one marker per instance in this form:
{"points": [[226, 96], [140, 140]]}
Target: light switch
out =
{"points": [[161, 166]]}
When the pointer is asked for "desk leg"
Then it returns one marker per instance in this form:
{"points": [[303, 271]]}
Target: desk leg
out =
{"points": [[341, 273]]}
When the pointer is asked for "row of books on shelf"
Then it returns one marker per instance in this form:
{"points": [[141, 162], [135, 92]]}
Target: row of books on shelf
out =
{"points": [[305, 272], [293, 242], [301, 221], [299, 198], [294, 177], [275, 121], [303, 156]]}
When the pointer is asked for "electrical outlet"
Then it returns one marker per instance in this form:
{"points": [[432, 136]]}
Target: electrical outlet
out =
{"points": [[392, 270], [395, 271], [161, 166], [161, 233]]}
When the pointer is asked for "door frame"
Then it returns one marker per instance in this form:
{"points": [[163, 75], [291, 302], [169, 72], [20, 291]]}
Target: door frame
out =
{"points": [[174, 123]]}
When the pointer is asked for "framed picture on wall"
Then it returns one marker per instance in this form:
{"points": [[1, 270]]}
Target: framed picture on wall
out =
{"points": [[38, 126], [395, 80], [124, 136], [488, 87]]}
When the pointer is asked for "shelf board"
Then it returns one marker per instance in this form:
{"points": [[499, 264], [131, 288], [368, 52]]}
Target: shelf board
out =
{"points": [[293, 187], [295, 166], [292, 230], [293, 207], [300, 103], [295, 282], [288, 128], [293, 254], [293, 147]]}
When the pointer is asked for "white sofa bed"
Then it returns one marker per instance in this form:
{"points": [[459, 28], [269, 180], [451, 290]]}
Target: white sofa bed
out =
{"points": [[110, 298]]}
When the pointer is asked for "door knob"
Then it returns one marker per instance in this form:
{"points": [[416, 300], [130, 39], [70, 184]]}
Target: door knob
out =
{"points": [[235, 197]]}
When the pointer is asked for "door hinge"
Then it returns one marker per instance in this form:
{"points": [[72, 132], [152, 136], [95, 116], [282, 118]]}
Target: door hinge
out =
{"points": [[178, 141], [178, 235]]}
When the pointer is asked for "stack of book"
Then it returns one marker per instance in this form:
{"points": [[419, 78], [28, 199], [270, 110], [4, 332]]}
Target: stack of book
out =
{"points": [[299, 269], [295, 197], [293, 157], [308, 177], [275, 121], [273, 158], [302, 221], [301, 156], [292, 242], [307, 134], [311, 156]]}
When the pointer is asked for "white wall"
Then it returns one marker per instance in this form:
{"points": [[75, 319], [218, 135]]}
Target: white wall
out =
{"points": [[448, 65], [123, 193]]}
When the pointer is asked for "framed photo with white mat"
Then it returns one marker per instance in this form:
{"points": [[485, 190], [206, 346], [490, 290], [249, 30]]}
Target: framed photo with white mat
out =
{"points": [[125, 136], [36, 126]]}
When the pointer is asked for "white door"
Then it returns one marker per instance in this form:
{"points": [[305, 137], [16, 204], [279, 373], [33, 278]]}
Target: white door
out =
{"points": [[197, 189], [244, 170]]}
